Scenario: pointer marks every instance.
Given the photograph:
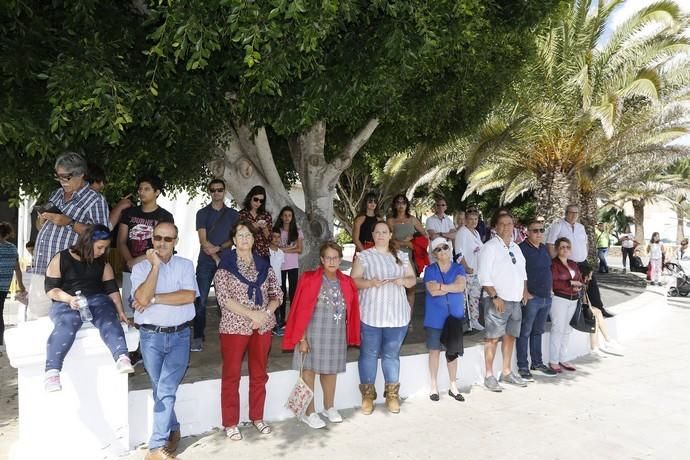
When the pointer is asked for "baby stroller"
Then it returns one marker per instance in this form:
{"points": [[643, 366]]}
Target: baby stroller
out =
{"points": [[682, 286]]}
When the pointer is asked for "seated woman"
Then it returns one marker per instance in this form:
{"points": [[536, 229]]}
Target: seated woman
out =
{"points": [[83, 267], [609, 346], [323, 321], [443, 311]]}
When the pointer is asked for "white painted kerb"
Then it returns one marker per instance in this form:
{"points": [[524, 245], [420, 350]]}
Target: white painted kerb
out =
{"points": [[88, 419]]}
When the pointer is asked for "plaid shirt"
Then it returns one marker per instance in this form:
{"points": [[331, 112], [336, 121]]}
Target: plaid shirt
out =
{"points": [[86, 207]]}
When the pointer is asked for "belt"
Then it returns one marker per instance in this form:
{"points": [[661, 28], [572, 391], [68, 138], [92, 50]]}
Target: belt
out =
{"points": [[165, 329], [566, 296]]}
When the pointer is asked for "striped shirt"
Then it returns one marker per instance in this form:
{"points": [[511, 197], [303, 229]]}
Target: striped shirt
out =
{"points": [[384, 306], [8, 262], [86, 207]]}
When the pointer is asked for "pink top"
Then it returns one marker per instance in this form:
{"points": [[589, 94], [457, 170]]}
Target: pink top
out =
{"points": [[229, 287], [291, 260]]}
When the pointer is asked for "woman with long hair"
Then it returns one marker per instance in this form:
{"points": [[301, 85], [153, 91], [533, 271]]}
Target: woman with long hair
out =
{"points": [[291, 244], [9, 265], [381, 274], [364, 223], [254, 211], [83, 268], [404, 227], [655, 249], [323, 321], [468, 243]]}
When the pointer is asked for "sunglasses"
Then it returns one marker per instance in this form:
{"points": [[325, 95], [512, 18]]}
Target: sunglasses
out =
{"points": [[444, 247], [63, 177], [167, 239], [537, 230], [258, 200], [216, 190], [512, 257]]}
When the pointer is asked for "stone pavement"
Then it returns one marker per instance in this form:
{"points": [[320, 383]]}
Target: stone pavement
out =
{"points": [[614, 408]]}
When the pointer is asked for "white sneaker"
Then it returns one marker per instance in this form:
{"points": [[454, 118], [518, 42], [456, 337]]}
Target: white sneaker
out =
{"points": [[124, 365], [51, 381], [597, 353], [333, 415], [313, 420], [612, 349], [474, 324]]}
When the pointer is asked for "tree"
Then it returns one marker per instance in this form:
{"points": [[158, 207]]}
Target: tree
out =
{"points": [[253, 87]]}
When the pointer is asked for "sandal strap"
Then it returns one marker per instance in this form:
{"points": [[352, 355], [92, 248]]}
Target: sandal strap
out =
{"points": [[262, 427]]}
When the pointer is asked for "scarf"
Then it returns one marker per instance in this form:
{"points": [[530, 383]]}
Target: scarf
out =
{"points": [[228, 261]]}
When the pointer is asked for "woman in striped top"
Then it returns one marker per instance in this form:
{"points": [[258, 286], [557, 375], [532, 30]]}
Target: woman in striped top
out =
{"points": [[381, 274]]}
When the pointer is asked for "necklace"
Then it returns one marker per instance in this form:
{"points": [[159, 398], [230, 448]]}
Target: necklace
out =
{"points": [[331, 296]]}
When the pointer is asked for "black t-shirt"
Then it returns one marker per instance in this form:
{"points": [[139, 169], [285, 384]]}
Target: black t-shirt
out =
{"points": [[81, 276], [140, 226]]}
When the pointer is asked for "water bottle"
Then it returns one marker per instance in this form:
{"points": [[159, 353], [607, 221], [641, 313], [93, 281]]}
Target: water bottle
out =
{"points": [[84, 310]]}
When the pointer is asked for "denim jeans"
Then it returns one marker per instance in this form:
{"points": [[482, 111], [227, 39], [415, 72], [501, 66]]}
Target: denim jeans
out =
{"points": [[205, 271], [166, 356], [533, 319], [68, 322], [603, 265], [384, 342]]}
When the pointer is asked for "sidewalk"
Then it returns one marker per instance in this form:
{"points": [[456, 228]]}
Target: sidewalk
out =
{"points": [[612, 408]]}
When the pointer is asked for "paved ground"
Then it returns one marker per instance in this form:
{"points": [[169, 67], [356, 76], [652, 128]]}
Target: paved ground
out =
{"points": [[632, 407]]}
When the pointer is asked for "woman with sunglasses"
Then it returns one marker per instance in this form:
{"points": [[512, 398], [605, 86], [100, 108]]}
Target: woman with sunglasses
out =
{"points": [[405, 226], [445, 298], [323, 321], [381, 274], [83, 268], [254, 211], [364, 223], [248, 294], [567, 285]]}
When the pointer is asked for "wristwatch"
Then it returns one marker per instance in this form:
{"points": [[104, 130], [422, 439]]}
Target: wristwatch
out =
{"points": [[494, 297]]}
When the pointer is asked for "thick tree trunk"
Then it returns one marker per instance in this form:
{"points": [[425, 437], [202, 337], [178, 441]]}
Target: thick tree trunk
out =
{"points": [[248, 161], [588, 218], [680, 222], [553, 195], [638, 220]]}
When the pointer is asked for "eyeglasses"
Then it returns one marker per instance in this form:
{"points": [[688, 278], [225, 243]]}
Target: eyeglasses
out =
{"points": [[167, 239], [444, 247], [331, 259], [256, 199], [537, 230], [63, 177], [244, 236], [217, 190], [512, 257]]}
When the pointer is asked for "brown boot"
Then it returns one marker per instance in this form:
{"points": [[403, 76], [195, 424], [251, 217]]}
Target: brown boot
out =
{"points": [[160, 454], [368, 391], [173, 441], [391, 393]]}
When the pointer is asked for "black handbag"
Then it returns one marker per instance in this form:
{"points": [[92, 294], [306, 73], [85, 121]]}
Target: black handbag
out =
{"points": [[583, 319]]}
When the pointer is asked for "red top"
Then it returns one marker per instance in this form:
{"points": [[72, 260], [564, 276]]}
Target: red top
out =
{"points": [[419, 252], [304, 303], [562, 277]]}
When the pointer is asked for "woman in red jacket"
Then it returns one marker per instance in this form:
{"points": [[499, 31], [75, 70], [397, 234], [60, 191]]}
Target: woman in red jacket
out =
{"points": [[323, 321], [567, 284]]}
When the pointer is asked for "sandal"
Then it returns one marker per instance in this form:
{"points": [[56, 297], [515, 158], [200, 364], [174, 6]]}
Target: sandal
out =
{"points": [[567, 366], [233, 433], [434, 396], [262, 427], [457, 396]]}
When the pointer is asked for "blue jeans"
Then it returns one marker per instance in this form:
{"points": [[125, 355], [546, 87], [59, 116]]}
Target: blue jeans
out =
{"points": [[603, 265], [384, 342], [532, 327], [205, 271], [166, 356], [67, 322]]}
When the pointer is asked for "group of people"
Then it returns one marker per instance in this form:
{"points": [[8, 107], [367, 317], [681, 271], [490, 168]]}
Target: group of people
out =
{"points": [[253, 265]]}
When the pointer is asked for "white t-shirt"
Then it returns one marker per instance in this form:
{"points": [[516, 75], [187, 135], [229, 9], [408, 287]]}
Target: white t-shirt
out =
{"points": [[438, 225], [468, 243], [627, 242], [575, 233], [277, 258], [503, 267]]}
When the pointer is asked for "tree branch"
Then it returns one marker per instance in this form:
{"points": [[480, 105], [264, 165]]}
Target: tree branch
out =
{"points": [[265, 160], [344, 160]]}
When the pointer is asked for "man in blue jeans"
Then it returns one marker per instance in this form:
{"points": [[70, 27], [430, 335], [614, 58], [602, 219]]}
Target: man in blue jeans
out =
{"points": [[534, 313], [213, 224], [164, 288]]}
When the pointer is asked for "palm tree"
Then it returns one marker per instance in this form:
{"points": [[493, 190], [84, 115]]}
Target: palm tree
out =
{"points": [[555, 132]]}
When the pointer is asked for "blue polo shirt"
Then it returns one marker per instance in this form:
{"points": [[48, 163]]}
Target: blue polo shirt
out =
{"points": [[218, 224], [437, 309], [538, 266]]}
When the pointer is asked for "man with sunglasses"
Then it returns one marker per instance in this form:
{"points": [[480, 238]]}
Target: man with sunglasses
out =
{"points": [[164, 288], [69, 210], [213, 224], [538, 302], [503, 278]]}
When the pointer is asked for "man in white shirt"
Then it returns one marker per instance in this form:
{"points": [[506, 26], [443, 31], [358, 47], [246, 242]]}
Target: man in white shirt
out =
{"points": [[570, 228], [440, 225], [503, 277], [164, 287]]}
